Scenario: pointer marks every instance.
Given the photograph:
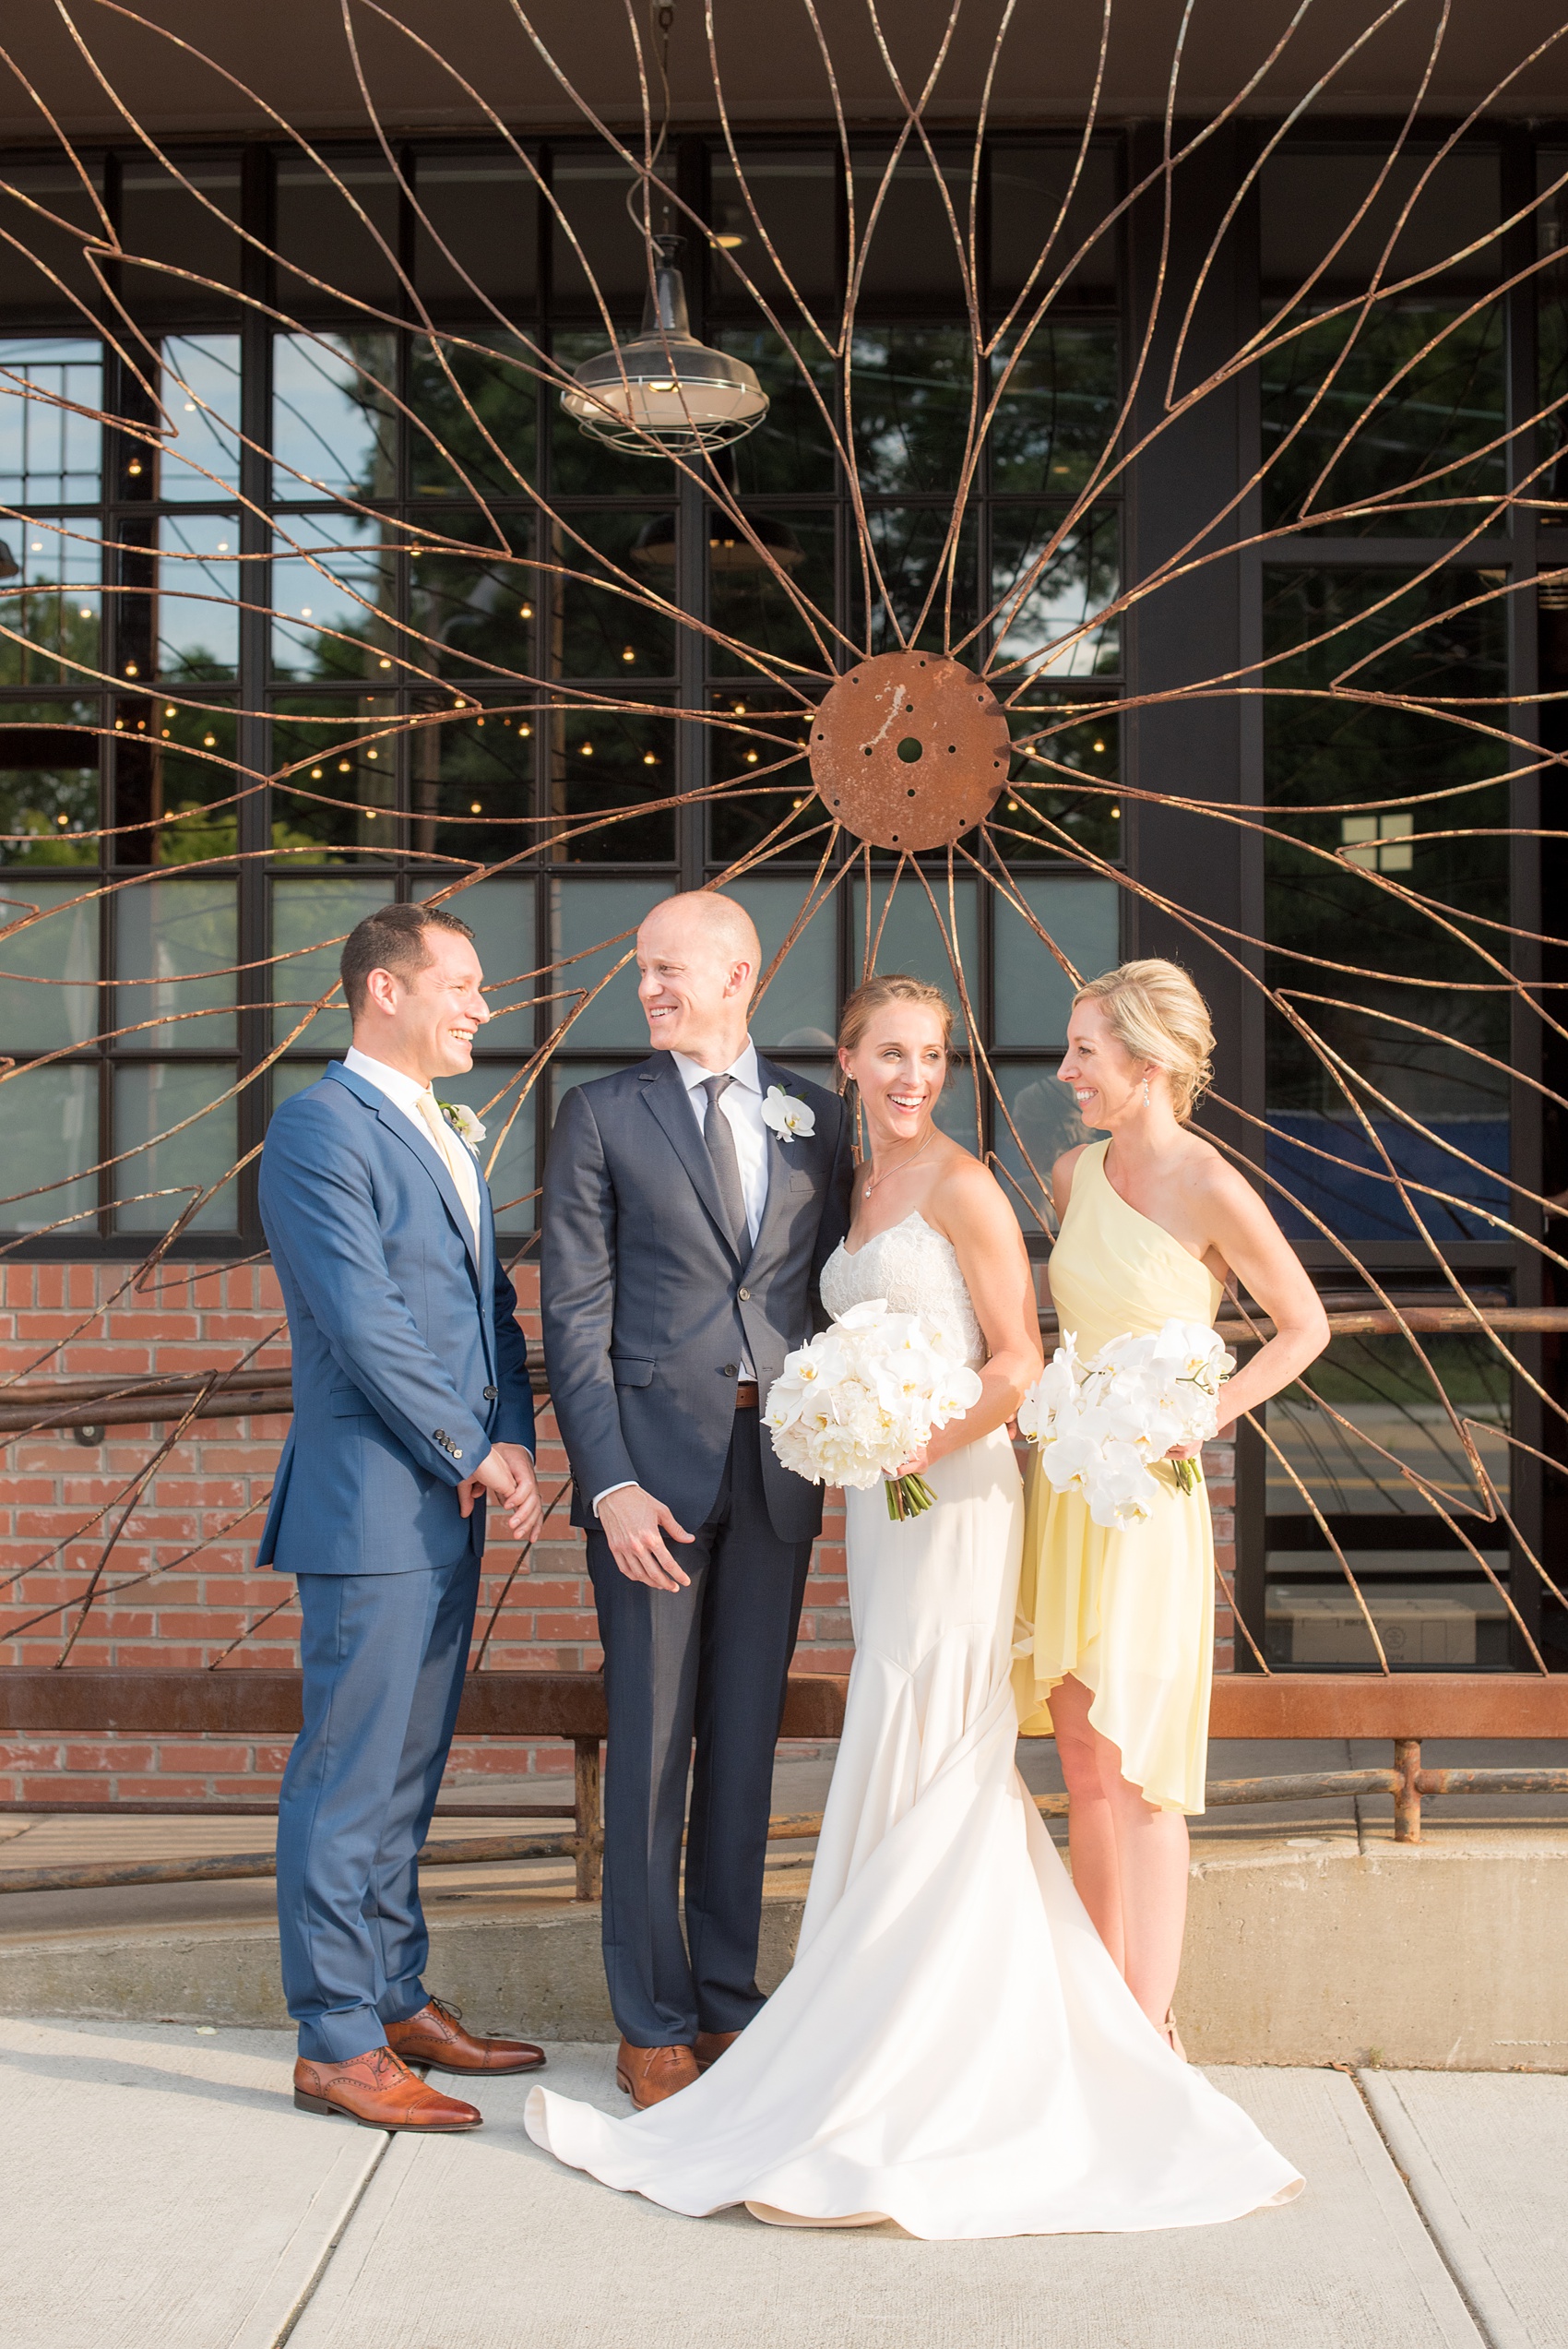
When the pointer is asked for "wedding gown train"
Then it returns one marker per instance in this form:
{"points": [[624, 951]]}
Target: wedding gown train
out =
{"points": [[953, 2049]]}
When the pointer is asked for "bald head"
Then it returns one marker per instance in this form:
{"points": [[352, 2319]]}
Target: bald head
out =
{"points": [[699, 960]]}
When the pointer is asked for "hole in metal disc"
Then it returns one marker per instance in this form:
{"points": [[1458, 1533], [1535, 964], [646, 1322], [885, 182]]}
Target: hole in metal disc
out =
{"points": [[912, 749], [911, 790]]}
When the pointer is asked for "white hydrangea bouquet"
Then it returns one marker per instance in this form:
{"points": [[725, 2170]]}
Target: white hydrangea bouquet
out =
{"points": [[863, 1395], [1101, 1425]]}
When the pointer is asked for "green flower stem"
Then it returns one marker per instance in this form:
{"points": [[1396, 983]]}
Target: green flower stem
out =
{"points": [[1189, 1475], [907, 1497]]}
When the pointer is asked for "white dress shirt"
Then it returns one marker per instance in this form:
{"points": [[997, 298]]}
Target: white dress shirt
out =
{"points": [[741, 1102]]}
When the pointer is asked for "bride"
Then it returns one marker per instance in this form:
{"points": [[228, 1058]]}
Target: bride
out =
{"points": [[953, 2049]]}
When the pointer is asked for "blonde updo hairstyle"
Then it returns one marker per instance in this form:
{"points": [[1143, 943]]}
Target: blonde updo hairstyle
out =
{"points": [[1156, 1013], [874, 995]]}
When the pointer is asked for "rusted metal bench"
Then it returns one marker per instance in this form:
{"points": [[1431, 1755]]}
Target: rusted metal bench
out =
{"points": [[1402, 1709]]}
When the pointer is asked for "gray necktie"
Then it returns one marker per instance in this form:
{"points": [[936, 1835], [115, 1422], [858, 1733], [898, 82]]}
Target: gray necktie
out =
{"points": [[720, 1143]]}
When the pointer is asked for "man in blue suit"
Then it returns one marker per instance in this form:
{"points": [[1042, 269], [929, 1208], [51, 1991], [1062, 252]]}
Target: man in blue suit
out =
{"points": [[411, 1406]]}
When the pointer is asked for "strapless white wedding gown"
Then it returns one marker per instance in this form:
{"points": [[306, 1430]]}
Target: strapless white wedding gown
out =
{"points": [[953, 2049]]}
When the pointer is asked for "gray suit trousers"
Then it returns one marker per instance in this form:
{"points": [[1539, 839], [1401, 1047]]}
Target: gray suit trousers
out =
{"points": [[708, 1661]]}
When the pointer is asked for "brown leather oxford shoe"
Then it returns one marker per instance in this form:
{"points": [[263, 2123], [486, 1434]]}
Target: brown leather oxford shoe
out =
{"points": [[711, 2045], [435, 2036], [650, 2074], [378, 2092]]}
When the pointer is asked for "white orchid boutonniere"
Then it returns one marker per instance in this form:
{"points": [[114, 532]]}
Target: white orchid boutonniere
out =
{"points": [[787, 1114], [464, 1124]]}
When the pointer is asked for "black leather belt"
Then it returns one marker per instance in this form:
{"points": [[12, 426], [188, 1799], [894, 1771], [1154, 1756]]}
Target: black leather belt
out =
{"points": [[746, 1395]]}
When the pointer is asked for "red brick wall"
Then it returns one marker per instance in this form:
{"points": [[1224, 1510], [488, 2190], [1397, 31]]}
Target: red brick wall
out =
{"points": [[179, 1589]]}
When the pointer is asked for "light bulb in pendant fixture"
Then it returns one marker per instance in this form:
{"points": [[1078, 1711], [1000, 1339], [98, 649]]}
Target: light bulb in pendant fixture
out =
{"points": [[664, 393]]}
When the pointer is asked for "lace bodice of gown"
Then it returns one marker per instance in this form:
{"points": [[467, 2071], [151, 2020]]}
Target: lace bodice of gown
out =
{"points": [[917, 1271]]}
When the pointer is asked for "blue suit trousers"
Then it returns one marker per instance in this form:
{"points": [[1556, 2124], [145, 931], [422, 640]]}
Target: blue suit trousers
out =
{"points": [[384, 1656]]}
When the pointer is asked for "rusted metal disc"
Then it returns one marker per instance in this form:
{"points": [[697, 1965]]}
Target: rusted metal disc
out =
{"points": [[909, 750]]}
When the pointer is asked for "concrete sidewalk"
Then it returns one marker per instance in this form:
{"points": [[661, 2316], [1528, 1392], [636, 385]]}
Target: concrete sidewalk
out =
{"points": [[160, 2192]]}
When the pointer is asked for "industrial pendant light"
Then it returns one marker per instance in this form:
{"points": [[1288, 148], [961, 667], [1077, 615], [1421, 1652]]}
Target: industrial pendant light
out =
{"points": [[665, 393]]}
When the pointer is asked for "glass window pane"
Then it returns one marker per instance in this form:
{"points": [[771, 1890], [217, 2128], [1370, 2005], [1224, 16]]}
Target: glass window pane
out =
{"points": [[1403, 1029], [922, 588], [48, 783], [600, 255], [1417, 390], [787, 620], [799, 1009], [910, 389], [471, 788], [201, 392], [335, 598], [911, 939], [48, 971], [1029, 186], [1458, 1622], [583, 913], [198, 598], [955, 1106], [1311, 194], [335, 770], [1056, 404], [175, 780], [51, 440], [289, 1077], [607, 630], [1379, 1386], [476, 415], [174, 237], [779, 217], [169, 936], [791, 449], [1033, 995], [472, 606], [606, 766], [48, 1132], [501, 915], [759, 748], [334, 425], [1055, 747], [305, 912], [53, 223], [911, 249], [340, 228], [489, 1089], [1044, 1123], [51, 598], [478, 233], [153, 1102], [1048, 590]]}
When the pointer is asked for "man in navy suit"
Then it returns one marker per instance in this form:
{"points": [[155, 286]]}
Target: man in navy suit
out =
{"points": [[689, 1206], [411, 1406]]}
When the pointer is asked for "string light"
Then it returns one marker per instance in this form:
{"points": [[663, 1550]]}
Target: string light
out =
{"points": [[169, 711], [315, 774], [649, 759], [210, 742], [386, 664], [475, 807], [587, 750], [131, 669], [627, 654], [525, 612]]}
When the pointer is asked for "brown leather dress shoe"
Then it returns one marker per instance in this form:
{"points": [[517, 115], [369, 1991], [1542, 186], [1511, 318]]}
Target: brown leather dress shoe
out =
{"points": [[649, 2074], [378, 2092], [435, 2036], [710, 2044]]}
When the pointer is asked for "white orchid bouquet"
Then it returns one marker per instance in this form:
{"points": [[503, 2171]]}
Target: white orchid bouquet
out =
{"points": [[1101, 1425], [863, 1395]]}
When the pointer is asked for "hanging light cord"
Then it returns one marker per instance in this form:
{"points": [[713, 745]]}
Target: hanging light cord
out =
{"points": [[660, 17]]}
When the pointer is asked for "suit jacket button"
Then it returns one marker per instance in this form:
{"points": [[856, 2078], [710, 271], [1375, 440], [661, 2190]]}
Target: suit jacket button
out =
{"points": [[490, 1394], [729, 1369], [746, 1297]]}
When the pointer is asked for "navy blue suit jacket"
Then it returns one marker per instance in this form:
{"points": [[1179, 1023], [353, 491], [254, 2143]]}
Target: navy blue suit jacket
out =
{"points": [[648, 1304], [407, 1360]]}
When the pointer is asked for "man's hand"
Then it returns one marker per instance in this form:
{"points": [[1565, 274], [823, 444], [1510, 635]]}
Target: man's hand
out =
{"points": [[494, 1476], [525, 1510], [633, 1522]]}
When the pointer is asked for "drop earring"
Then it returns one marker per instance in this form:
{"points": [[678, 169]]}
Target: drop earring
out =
{"points": [[1146, 1092]]}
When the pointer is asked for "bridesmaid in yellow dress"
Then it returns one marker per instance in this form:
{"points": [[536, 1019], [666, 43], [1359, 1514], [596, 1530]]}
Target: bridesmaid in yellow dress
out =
{"points": [[1153, 1221]]}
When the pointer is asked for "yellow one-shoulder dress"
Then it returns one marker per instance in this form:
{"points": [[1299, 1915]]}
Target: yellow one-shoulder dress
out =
{"points": [[1130, 1615]]}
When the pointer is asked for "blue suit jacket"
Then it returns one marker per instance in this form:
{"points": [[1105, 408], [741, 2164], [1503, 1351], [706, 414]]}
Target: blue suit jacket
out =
{"points": [[408, 1363]]}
